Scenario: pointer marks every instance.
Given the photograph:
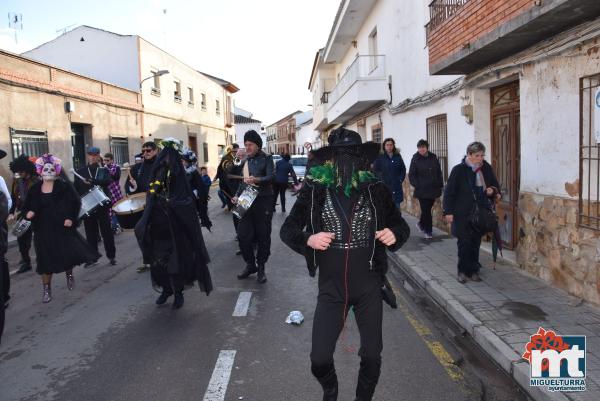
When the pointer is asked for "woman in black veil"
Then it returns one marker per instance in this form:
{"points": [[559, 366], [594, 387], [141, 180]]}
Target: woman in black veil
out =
{"points": [[169, 232]]}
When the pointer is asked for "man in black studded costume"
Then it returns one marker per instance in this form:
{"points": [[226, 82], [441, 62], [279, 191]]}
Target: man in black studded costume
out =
{"points": [[342, 222]]}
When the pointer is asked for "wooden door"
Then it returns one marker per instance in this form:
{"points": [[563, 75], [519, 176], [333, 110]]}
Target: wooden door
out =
{"points": [[506, 157], [193, 144]]}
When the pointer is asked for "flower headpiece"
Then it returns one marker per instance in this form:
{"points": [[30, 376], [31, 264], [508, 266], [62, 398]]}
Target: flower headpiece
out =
{"points": [[171, 143], [48, 159]]}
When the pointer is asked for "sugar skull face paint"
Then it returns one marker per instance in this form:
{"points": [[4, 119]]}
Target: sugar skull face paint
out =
{"points": [[48, 172]]}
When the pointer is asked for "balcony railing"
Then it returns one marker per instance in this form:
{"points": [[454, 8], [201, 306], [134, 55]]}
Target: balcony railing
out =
{"points": [[441, 10], [363, 68]]}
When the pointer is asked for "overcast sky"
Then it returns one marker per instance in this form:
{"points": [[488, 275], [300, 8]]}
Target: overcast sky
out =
{"points": [[265, 47]]}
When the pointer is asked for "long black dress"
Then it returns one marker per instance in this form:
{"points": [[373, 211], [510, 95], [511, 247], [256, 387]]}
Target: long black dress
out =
{"points": [[57, 248], [169, 231]]}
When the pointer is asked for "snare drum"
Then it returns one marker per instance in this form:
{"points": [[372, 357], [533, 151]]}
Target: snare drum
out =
{"points": [[129, 210], [90, 202], [245, 201]]}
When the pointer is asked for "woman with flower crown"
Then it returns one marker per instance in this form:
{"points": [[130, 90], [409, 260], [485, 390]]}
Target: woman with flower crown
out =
{"points": [[53, 206]]}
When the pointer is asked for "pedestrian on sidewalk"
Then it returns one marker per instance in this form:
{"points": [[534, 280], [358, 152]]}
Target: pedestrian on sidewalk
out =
{"points": [[25, 176], [425, 175], [53, 206], [114, 188], [255, 225], [283, 170], [342, 222], [390, 167], [471, 181], [169, 233]]}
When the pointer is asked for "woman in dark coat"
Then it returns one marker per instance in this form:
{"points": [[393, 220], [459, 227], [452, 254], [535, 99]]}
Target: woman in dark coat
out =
{"points": [[53, 206], [472, 179], [169, 231], [425, 175], [390, 167]]}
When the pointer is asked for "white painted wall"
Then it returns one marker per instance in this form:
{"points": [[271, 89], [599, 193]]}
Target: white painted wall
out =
{"points": [[306, 133], [401, 39], [102, 55]]}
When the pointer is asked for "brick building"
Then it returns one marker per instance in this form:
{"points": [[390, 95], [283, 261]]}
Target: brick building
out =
{"points": [[531, 87]]}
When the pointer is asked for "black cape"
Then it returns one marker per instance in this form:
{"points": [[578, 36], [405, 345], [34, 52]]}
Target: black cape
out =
{"points": [[190, 258]]}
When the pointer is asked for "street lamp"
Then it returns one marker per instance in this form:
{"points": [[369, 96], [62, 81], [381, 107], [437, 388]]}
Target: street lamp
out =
{"points": [[154, 74]]}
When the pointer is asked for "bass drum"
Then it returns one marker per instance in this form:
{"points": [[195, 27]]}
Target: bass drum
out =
{"points": [[129, 210]]}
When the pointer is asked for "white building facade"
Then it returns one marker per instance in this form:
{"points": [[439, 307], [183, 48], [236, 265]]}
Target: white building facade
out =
{"points": [[373, 77], [184, 103]]}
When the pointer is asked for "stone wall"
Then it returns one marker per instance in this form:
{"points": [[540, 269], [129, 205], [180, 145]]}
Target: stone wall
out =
{"points": [[553, 247]]}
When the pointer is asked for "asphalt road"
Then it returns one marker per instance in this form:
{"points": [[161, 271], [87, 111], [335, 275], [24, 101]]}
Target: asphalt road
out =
{"points": [[107, 340]]}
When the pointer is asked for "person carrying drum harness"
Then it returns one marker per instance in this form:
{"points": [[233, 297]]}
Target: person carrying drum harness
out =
{"points": [[342, 222], [93, 174]]}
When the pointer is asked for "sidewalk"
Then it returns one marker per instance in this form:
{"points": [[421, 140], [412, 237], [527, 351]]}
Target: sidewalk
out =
{"points": [[503, 310]]}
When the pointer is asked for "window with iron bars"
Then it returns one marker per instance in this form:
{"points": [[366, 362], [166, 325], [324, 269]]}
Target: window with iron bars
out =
{"points": [[30, 143], [437, 136], [589, 153], [119, 147]]}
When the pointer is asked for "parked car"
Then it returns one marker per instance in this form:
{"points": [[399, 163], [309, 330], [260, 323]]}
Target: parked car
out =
{"points": [[299, 165]]}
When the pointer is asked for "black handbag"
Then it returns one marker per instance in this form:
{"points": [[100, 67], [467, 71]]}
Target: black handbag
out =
{"points": [[482, 220]]}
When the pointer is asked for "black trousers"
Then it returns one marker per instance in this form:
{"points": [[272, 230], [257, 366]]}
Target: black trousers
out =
{"points": [[256, 225], [468, 253], [364, 297], [426, 221], [101, 220], [279, 189], [5, 288], [2, 299], [24, 242]]}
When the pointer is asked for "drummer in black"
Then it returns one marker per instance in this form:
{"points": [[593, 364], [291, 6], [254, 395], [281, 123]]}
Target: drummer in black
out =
{"points": [[139, 176], [95, 175], [255, 225]]}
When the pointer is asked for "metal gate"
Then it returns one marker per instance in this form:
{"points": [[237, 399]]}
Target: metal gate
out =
{"points": [[30, 143], [589, 153]]}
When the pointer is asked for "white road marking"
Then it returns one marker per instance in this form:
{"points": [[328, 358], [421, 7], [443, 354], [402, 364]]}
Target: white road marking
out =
{"points": [[243, 303], [220, 377]]}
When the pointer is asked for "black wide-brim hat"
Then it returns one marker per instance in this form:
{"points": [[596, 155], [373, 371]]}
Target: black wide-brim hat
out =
{"points": [[343, 138]]}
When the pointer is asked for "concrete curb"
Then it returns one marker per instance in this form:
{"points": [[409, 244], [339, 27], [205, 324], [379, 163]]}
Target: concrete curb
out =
{"points": [[498, 350]]}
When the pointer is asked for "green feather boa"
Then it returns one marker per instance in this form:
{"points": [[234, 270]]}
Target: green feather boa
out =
{"points": [[326, 175]]}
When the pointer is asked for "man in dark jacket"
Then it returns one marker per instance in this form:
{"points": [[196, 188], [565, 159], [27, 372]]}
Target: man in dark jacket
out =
{"points": [[425, 174], [94, 174], [390, 167], [139, 176], [471, 181], [344, 224], [283, 170], [256, 222]]}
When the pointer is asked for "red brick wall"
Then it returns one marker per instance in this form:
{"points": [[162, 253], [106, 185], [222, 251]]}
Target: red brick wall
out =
{"points": [[474, 20]]}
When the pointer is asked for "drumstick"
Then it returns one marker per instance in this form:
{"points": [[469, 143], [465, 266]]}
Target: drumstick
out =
{"points": [[75, 173]]}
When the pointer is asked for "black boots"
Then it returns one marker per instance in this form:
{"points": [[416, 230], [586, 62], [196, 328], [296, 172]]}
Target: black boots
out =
{"points": [[248, 270], [261, 277], [368, 376], [329, 383], [162, 298], [178, 302]]}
